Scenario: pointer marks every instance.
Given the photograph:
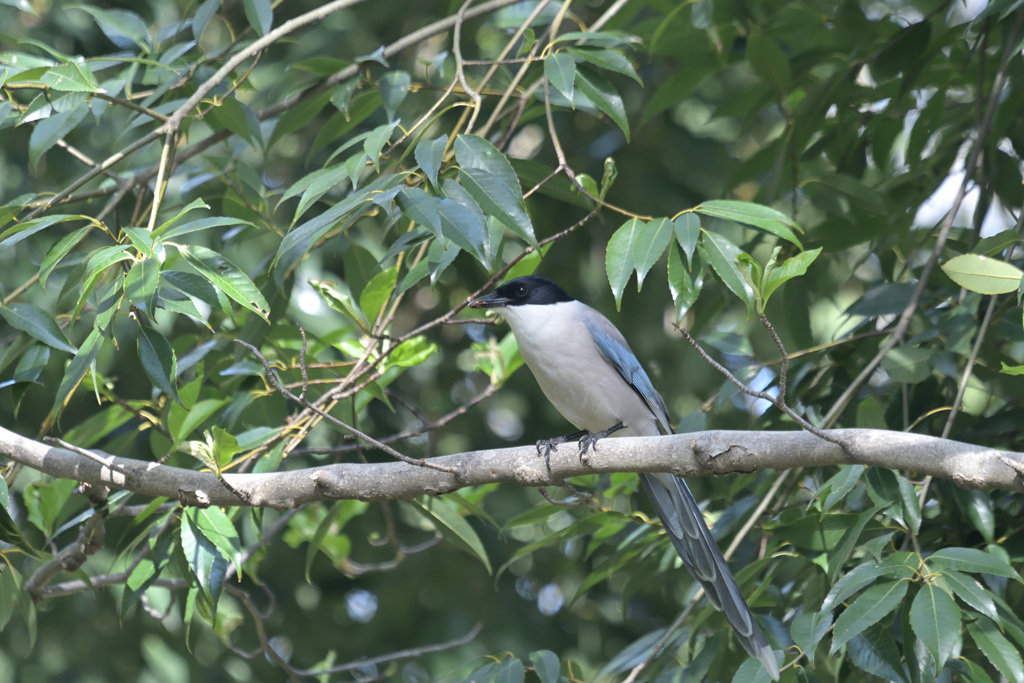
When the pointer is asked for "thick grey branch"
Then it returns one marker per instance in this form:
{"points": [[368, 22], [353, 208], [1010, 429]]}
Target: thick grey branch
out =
{"points": [[692, 455]]}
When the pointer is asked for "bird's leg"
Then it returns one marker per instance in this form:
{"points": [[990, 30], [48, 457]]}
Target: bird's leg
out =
{"points": [[545, 446], [588, 440]]}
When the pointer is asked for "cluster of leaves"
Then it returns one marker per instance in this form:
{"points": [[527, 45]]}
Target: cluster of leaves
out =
{"points": [[360, 183]]}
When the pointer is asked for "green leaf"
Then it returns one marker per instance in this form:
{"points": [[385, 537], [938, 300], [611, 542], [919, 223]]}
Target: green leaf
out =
{"points": [[71, 77], [377, 292], [454, 527], [227, 277], [203, 224], [429, 155], [141, 282], [982, 274], [394, 86], [376, 140], [502, 201], [460, 226], [421, 208], [190, 207], [790, 268], [977, 505], [972, 560], [721, 254], [935, 619], [898, 566], [650, 244], [874, 651], [122, 27], [159, 362], [619, 263], [184, 423], [748, 213], [837, 556], [769, 62], [868, 609], [687, 227], [338, 296], [76, 370], [970, 591], [37, 323], [609, 60], [214, 523], [908, 364], [911, 503], [206, 562], [9, 531], [545, 665], [808, 629], [997, 649], [59, 250], [51, 130], [684, 288], [45, 500], [260, 15], [604, 96], [560, 69]]}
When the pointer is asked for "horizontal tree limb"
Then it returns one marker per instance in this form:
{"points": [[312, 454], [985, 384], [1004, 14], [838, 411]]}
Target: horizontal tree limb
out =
{"points": [[698, 454]]}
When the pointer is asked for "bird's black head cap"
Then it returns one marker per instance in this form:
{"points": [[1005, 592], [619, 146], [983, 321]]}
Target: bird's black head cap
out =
{"points": [[531, 290]]}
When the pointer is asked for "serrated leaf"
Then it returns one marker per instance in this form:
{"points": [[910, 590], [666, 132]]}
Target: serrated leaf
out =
{"points": [[607, 59], [59, 250], [394, 86], [982, 274], [687, 227], [227, 277], [560, 70], [500, 200], [790, 268], [460, 226], [76, 370], [429, 155], [159, 362], [206, 562], [684, 288], [808, 629], [421, 208], [375, 141], [971, 592], [721, 254], [650, 244], [214, 523], [867, 609], [71, 77], [619, 263], [972, 560], [896, 566], [454, 527], [37, 323], [935, 619], [604, 96], [874, 651], [999, 651], [748, 213]]}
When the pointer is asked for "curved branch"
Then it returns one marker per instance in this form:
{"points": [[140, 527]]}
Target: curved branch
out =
{"points": [[699, 454]]}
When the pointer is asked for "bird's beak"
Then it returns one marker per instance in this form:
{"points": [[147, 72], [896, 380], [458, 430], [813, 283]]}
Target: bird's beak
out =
{"points": [[492, 300]]}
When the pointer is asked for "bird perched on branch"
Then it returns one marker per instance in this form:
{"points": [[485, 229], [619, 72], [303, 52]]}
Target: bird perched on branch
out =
{"points": [[586, 369]]}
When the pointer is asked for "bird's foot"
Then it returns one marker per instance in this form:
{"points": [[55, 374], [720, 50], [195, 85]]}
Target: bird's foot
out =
{"points": [[545, 446], [589, 441]]}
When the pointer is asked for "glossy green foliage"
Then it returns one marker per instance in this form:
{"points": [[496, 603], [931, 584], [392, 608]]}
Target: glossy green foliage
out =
{"points": [[786, 169]]}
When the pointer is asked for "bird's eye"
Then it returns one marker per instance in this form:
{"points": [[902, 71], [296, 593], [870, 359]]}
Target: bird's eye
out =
{"points": [[521, 290]]}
